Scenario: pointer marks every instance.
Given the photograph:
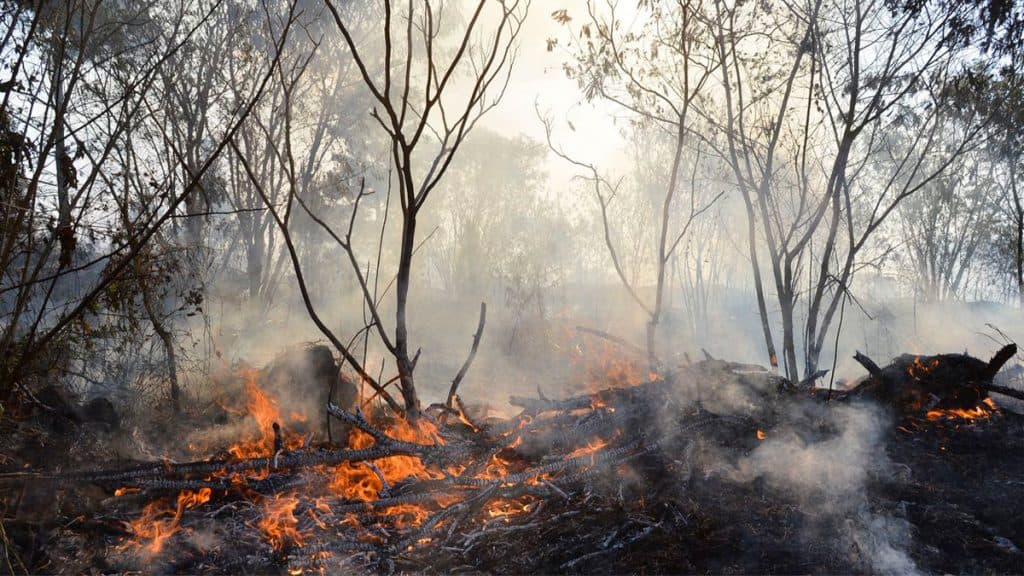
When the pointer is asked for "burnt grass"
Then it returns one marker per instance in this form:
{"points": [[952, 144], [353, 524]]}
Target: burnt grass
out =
{"points": [[956, 485], [959, 486]]}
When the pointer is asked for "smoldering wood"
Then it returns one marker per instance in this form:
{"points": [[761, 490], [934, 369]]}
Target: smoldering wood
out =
{"points": [[912, 383]]}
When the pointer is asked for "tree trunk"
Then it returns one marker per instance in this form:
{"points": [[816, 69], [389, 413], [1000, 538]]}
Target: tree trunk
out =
{"points": [[762, 308], [788, 339], [63, 168], [254, 257], [666, 213], [167, 339], [405, 367], [1019, 244]]}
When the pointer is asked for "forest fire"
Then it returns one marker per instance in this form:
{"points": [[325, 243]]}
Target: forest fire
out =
{"points": [[398, 490], [244, 246], [283, 516], [342, 494], [405, 492]]}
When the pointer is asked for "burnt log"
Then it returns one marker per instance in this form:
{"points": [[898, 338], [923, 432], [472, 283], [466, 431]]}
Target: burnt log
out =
{"points": [[914, 383]]}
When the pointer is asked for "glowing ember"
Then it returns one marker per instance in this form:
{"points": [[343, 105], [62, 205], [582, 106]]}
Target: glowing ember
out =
{"points": [[918, 369], [589, 449], [761, 435], [506, 508], [408, 514]]}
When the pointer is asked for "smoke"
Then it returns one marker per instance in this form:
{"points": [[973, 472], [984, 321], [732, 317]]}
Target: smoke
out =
{"points": [[824, 459]]}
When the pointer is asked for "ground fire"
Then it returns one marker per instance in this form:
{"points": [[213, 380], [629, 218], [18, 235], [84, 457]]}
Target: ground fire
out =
{"points": [[447, 491]]}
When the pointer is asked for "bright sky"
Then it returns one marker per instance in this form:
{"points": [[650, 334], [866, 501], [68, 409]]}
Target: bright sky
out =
{"points": [[538, 77]]}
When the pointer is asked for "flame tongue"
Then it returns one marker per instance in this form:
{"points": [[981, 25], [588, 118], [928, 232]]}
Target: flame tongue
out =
{"points": [[279, 524], [985, 409], [159, 522], [264, 410]]}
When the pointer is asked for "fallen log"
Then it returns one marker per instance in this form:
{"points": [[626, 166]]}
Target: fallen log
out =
{"points": [[1005, 390], [914, 384], [384, 447]]}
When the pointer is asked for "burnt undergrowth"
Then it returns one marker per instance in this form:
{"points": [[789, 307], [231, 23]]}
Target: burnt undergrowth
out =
{"points": [[716, 467]]}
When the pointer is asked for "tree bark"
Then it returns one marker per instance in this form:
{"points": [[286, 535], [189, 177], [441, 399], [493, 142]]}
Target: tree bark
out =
{"points": [[1019, 244]]}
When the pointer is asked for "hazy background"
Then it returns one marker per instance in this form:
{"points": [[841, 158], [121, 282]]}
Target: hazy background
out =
{"points": [[512, 223]]}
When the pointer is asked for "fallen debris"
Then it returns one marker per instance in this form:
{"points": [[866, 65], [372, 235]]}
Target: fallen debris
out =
{"points": [[659, 477]]}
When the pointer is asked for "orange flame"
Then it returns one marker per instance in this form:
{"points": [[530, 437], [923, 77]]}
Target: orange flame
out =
{"points": [[918, 368], [264, 410], [156, 527], [590, 448], [360, 483], [983, 410], [608, 367], [506, 508], [279, 524]]}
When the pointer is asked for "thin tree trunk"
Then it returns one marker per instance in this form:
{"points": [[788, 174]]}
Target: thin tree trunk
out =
{"points": [[1019, 245], [405, 366], [167, 339], [65, 233], [762, 307], [666, 212]]}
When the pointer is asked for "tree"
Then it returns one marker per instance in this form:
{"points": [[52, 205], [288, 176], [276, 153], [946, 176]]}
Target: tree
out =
{"points": [[414, 99], [945, 225], [659, 71], [801, 132], [497, 231], [85, 74]]}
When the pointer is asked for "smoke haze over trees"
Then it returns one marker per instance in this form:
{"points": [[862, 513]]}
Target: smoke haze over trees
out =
{"points": [[191, 184]]}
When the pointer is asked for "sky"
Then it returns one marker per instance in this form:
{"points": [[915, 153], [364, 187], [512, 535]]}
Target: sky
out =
{"points": [[539, 80]]}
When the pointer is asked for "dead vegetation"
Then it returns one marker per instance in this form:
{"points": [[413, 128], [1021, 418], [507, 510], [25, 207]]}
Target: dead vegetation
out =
{"points": [[666, 476]]}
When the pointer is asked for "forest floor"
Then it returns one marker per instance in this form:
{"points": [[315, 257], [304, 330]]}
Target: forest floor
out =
{"points": [[820, 490]]}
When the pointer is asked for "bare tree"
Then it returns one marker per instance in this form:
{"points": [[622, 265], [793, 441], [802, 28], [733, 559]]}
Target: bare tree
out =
{"points": [[801, 131], [109, 59], [659, 72], [425, 115], [946, 224]]}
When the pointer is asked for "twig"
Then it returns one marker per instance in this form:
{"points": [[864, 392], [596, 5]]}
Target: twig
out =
{"points": [[472, 354]]}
